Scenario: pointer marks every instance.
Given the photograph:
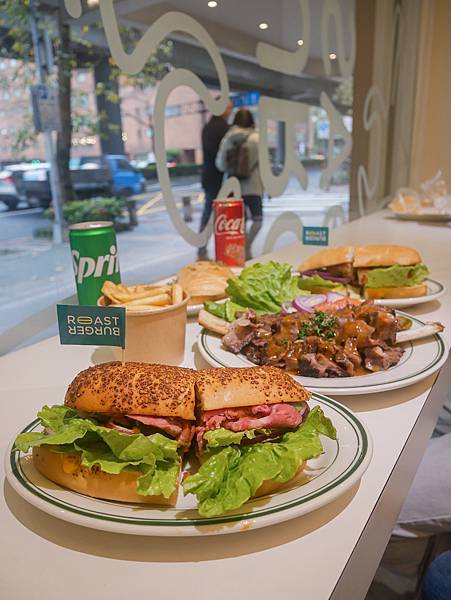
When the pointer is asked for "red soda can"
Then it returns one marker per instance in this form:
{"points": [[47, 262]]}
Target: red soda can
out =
{"points": [[230, 236]]}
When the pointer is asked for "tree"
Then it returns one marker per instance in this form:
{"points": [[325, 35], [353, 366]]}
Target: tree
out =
{"points": [[73, 48]]}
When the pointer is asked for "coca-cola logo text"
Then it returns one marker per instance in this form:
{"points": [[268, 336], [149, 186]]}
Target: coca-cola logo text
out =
{"points": [[225, 226]]}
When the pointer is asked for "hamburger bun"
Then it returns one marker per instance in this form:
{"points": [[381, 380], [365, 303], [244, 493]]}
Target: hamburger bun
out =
{"points": [[205, 280], [328, 258], [136, 388], [412, 291], [384, 255], [228, 388], [66, 470]]}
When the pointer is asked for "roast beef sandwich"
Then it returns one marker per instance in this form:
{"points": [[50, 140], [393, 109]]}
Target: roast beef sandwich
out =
{"points": [[327, 270], [379, 270], [120, 434], [254, 433], [390, 271]]}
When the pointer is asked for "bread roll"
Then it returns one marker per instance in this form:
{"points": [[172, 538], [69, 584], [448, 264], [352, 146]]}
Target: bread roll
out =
{"points": [[136, 388], [384, 255], [328, 258], [412, 291], [205, 280], [66, 470], [227, 388], [213, 323]]}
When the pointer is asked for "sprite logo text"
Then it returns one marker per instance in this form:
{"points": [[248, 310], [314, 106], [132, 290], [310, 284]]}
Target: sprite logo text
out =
{"points": [[86, 266]]}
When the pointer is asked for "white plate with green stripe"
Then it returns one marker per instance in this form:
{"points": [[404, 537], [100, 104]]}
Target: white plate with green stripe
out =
{"points": [[435, 291], [421, 358], [324, 479]]}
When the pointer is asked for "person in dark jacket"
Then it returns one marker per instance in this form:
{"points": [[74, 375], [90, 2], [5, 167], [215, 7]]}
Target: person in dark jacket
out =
{"points": [[212, 134]]}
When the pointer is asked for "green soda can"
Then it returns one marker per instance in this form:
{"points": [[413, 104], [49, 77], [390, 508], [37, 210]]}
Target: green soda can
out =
{"points": [[94, 258]]}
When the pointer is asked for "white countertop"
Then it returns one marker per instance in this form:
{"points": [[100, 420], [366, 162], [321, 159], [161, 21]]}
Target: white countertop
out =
{"points": [[316, 556]]}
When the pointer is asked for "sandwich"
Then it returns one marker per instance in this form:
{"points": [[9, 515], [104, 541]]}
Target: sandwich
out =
{"points": [[205, 281], [380, 271], [120, 434], [329, 270], [385, 271], [254, 433]]}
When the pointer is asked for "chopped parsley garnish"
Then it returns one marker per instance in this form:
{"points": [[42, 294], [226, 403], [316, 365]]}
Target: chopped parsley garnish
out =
{"points": [[320, 324]]}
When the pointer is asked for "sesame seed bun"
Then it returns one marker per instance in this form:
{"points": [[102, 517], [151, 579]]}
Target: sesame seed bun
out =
{"points": [[135, 388], [228, 388], [66, 470], [385, 255], [328, 257]]}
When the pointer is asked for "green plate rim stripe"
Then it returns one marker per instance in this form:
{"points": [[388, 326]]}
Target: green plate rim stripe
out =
{"points": [[361, 452]]}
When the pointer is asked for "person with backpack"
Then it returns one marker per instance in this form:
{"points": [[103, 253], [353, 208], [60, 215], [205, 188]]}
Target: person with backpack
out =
{"points": [[238, 157], [212, 134]]}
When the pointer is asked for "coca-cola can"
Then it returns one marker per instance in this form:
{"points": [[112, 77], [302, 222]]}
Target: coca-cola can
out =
{"points": [[230, 234]]}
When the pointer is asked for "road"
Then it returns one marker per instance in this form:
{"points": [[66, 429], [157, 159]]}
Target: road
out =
{"points": [[35, 274]]}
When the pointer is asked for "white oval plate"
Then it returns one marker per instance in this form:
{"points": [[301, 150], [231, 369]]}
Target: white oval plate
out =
{"points": [[326, 478], [420, 359], [435, 290]]}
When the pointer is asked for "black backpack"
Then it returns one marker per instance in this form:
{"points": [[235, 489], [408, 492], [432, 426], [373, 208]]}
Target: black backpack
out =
{"points": [[237, 160]]}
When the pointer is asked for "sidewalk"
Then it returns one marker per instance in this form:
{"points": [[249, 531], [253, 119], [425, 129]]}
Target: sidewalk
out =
{"points": [[38, 274]]}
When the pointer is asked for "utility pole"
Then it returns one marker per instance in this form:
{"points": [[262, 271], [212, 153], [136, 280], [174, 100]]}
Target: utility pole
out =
{"points": [[41, 62]]}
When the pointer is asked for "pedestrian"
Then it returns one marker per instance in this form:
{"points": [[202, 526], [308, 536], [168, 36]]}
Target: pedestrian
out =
{"points": [[238, 156], [212, 134]]}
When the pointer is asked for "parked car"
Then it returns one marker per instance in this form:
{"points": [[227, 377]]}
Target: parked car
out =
{"points": [[12, 188], [107, 175]]}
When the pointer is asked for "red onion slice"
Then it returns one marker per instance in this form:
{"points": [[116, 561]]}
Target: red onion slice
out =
{"points": [[307, 303], [334, 296], [326, 276], [287, 308]]}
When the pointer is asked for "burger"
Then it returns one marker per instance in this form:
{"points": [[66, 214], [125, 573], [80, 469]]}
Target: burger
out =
{"points": [[254, 433], [329, 270], [379, 271], [120, 434], [390, 272], [124, 431]]}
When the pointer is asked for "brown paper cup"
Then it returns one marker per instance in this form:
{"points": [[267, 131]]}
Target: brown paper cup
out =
{"points": [[154, 336]]}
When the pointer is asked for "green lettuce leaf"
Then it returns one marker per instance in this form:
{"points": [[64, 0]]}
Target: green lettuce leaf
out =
{"points": [[316, 281], [232, 475], [225, 310], [397, 276], [155, 456], [264, 286]]}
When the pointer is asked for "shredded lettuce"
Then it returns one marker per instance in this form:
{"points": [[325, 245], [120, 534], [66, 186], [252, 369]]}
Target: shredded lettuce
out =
{"points": [[232, 474], [264, 286], [155, 456]]}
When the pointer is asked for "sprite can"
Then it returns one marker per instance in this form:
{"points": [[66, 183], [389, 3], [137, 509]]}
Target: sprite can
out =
{"points": [[94, 258]]}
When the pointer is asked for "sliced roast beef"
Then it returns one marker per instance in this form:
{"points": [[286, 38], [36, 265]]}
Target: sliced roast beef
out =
{"points": [[380, 358]]}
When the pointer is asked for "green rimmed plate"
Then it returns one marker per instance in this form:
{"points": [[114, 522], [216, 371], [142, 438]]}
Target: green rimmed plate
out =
{"points": [[421, 358], [325, 478]]}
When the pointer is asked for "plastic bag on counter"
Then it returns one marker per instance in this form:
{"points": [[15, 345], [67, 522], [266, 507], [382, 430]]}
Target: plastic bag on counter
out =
{"points": [[432, 198]]}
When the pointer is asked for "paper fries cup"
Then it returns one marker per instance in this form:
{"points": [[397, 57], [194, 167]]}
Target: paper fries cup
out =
{"points": [[154, 334]]}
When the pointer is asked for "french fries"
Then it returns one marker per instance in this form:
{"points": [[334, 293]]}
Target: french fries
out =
{"points": [[142, 297]]}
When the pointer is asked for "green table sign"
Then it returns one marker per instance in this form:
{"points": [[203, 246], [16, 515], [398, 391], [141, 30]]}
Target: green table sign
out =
{"points": [[91, 325], [315, 236]]}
